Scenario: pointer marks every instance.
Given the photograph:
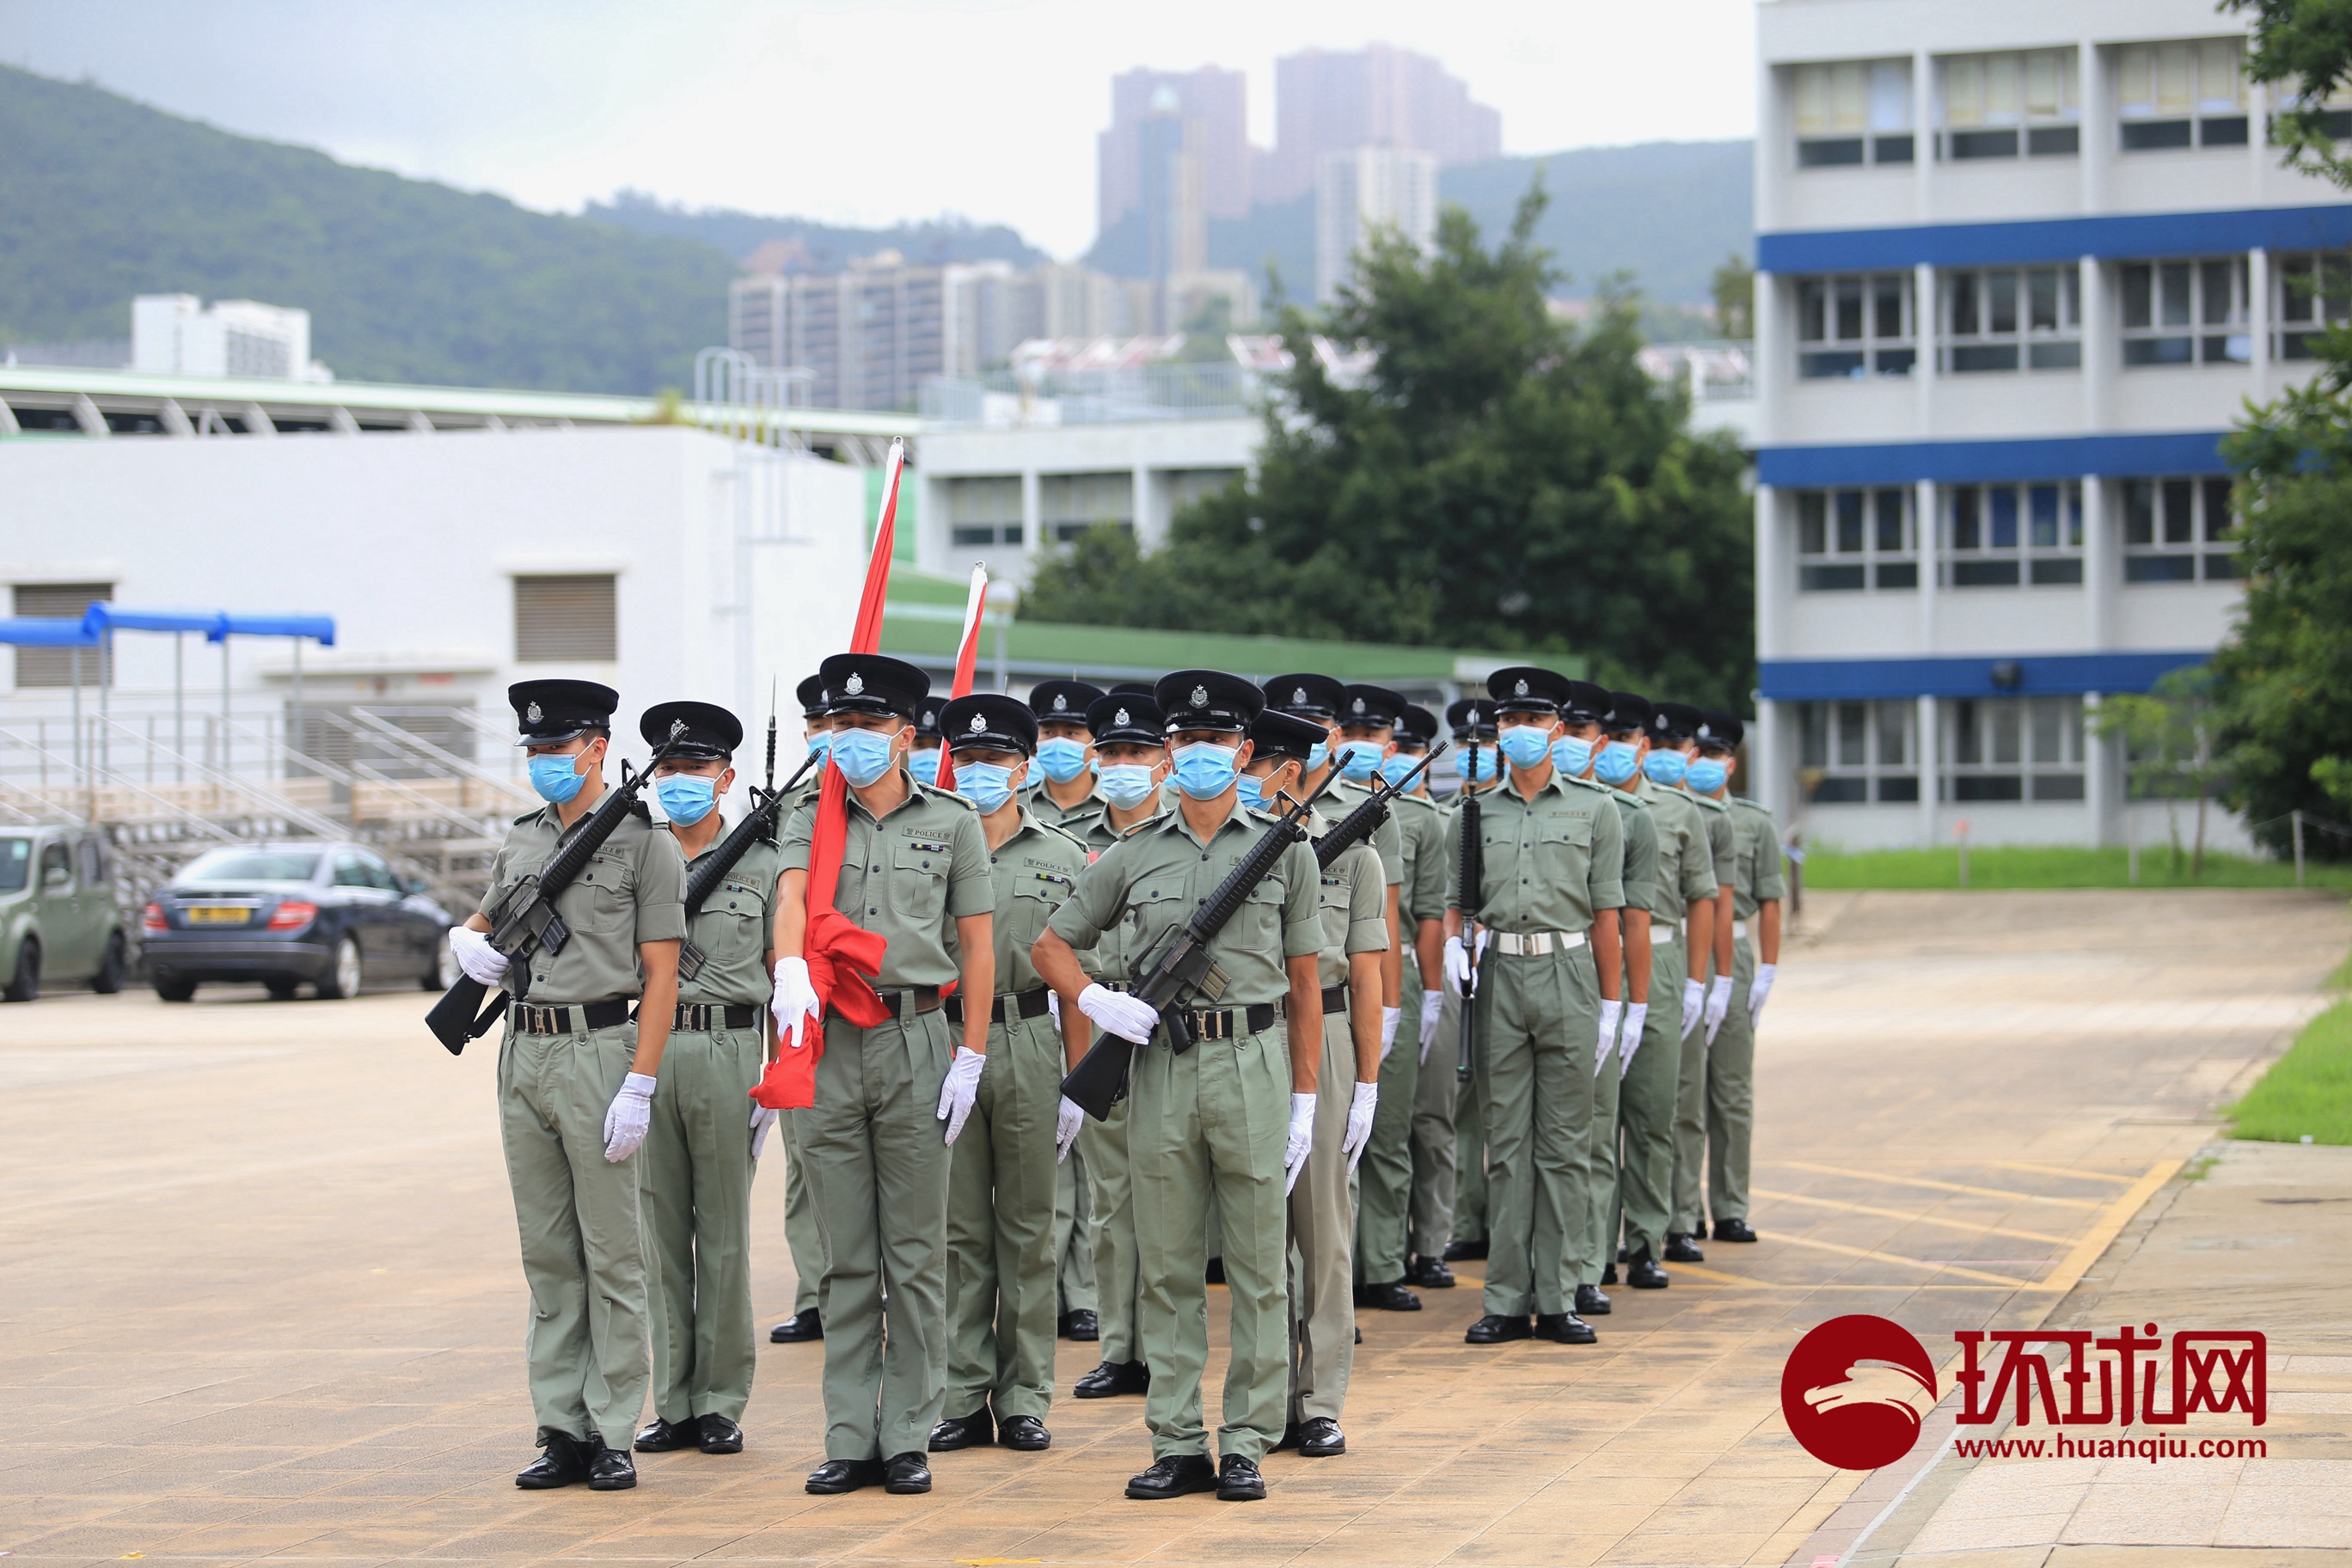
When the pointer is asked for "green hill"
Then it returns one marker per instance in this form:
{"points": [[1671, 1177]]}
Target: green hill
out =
{"points": [[821, 247]]}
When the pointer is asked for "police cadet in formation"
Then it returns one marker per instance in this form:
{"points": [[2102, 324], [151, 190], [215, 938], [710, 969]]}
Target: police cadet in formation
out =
{"points": [[890, 1099], [1429, 1173], [694, 1177], [1551, 884], [1001, 1184], [1757, 890], [1458, 1188], [1350, 902], [1649, 1066], [1214, 1116], [800, 1236], [1706, 985], [1130, 769], [576, 1085], [1372, 742], [923, 762]]}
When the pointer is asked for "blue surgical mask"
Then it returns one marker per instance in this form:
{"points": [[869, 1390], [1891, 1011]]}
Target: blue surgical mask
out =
{"points": [[1205, 770], [1665, 767], [1126, 784], [1617, 763], [1525, 744], [986, 784], [685, 798], [1480, 764], [820, 743], [556, 779], [1396, 767], [862, 755], [925, 765], [1251, 791], [1707, 775], [1571, 755], [1317, 754], [1061, 758], [1358, 760]]}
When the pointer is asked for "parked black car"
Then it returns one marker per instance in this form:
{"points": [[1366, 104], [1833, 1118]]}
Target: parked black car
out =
{"points": [[333, 915]]}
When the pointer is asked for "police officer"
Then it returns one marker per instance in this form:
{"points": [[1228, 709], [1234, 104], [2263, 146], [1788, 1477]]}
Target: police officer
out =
{"points": [[695, 1171], [1758, 888], [1065, 785], [1551, 883], [923, 762], [1130, 769], [1429, 1144], [1210, 1117], [1456, 1192], [1706, 986], [576, 1085], [1001, 1186], [915, 871], [800, 1236]]}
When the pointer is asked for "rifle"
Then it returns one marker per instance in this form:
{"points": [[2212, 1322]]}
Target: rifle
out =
{"points": [[1179, 960], [1365, 820], [526, 920], [758, 825], [1472, 894]]}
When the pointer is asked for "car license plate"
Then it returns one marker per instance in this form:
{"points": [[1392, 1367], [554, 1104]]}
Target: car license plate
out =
{"points": [[218, 914]]}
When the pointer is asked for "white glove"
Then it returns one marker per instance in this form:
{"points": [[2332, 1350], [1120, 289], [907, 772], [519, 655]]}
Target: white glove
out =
{"points": [[1067, 1119], [1053, 1011], [1388, 1018], [1693, 1005], [1612, 1014], [1719, 1004], [1360, 1111], [1760, 988], [1629, 1037], [960, 1088], [472, 950], [1458, 965], [1119, 1013], [763, 1120], [1302, 1139], [631, 1114], [1432, 1001], [794, 1001]]}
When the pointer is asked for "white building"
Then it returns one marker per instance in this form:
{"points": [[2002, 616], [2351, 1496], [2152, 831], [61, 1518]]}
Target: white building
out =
{"points": [[2020, 264], [1360, 191], [176, 334]]}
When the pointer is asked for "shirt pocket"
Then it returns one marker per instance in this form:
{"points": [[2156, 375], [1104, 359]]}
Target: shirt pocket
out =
{"points": [[1563, 849], [1257, 924], [918, 880], [606, 896], [1035, 896], [1154, 906], [731, 924]]}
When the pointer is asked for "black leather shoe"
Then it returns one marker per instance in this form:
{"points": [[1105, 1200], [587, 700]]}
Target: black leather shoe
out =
{"points": [[720, 1435], [974, 1431], [612, 1470], [667, 1436], [1391, 1297], [1429, 1274], [1456, 1251], [905, 1474], [1238, 1480], [1320, 1438], [1643, 1273], [1113, 1378], [1081, 1325], [797, 1329], [1178, 1475], [1733, 1230], [1681, 1249], [1289, 1437], [1591, 1302], [1564, 1328], [836, 1475], [1609, 1275], [562, 1461], [1024, 1433], [1216, 1274], [1492, 1330]]}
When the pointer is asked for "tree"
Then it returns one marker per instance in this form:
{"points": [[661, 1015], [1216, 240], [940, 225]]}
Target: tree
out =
{"points": [[1735, 299], [2168, 736], [1497, 480], [2305, 47]]}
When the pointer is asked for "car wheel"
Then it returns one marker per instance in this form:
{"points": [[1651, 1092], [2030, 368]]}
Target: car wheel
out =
{"points": [[174, 988], [113, 968], [444, 972], [25, 984], [342, 976]]}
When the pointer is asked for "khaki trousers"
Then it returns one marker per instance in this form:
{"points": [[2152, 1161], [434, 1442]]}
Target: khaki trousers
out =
{"points": [[1468, 1208], [1690, 1131], [1384, 1174], [1731, 1098], [1322, 1231], [1001, 1188], [694, 1183], [802, 1238], [1538, 1017], [1073, 1236], [1645, 1110], [1110, 1214]]}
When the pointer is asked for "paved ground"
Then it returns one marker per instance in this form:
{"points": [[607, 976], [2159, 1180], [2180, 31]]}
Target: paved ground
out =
{"points": [[261, 1298]]}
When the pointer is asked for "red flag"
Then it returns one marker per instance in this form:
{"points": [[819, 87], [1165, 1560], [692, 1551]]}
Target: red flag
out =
{"points": [[967, 657]]}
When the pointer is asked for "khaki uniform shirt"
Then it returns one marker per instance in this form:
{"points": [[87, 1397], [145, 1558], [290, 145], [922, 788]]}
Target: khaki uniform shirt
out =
{"points": [[1353, 905], [1387, 839], [1107, 961], [1423, 898], [1040, 804], [1722, 839], [1035, 871], [1641, 851], [910, 876], [1686, 860], [734, 926], [1162, 872], [632, 890], [1549, 863], [1759, 877]]}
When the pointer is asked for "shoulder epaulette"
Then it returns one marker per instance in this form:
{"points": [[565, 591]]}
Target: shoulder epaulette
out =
{"points": [[1058, 831], [937, 794], [527, 815]]}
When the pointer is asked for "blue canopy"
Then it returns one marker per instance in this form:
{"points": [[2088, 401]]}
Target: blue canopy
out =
{"points": [[320, 629], [47, 631], [101, 616]]}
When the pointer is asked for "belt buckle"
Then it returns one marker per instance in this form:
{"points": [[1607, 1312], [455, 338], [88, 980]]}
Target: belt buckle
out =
{"points": [[539, 1020]]}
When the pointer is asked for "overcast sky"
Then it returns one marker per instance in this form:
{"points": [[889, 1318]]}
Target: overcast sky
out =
{"points": [[863, 112]]}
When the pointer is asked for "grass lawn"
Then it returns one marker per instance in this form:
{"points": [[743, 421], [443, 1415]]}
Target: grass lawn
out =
{"points": [[2307, 1096], [2055, 867]]}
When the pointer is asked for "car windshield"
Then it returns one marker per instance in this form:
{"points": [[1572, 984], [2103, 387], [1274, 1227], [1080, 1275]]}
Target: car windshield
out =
{"points": [[15, 864], [252, 866]]}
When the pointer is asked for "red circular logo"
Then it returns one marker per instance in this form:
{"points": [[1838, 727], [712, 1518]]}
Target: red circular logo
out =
{"points": [[1855, 1390]]}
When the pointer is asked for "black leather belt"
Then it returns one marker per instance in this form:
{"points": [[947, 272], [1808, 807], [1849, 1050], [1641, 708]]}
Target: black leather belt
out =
{"points": [[1021, 1003], [912, 1001], [1229, 1023], [702, 1017], [1335, 1000], [529, 1018]]}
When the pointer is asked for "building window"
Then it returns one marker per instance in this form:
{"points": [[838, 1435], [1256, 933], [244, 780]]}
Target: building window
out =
{"points": [[1069, 504], [984, 511], [2003, 536], [2185, 312], [2181, 95], [2009, 318], [566, 619], [2017, 103], [1849, 539], [2311, 291], [1854, 326], [1855, 753], [2169, 525], [2013, 748], [1852, 112], [55, 666]]}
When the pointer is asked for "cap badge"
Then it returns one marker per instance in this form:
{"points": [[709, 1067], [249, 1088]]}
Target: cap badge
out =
{"points": [[979, 723], [1199, 697], [1120, 719], [1298, 697], [1359, 705], [1061, 703], [1521, 689], [853, 684], [532, 715]]}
